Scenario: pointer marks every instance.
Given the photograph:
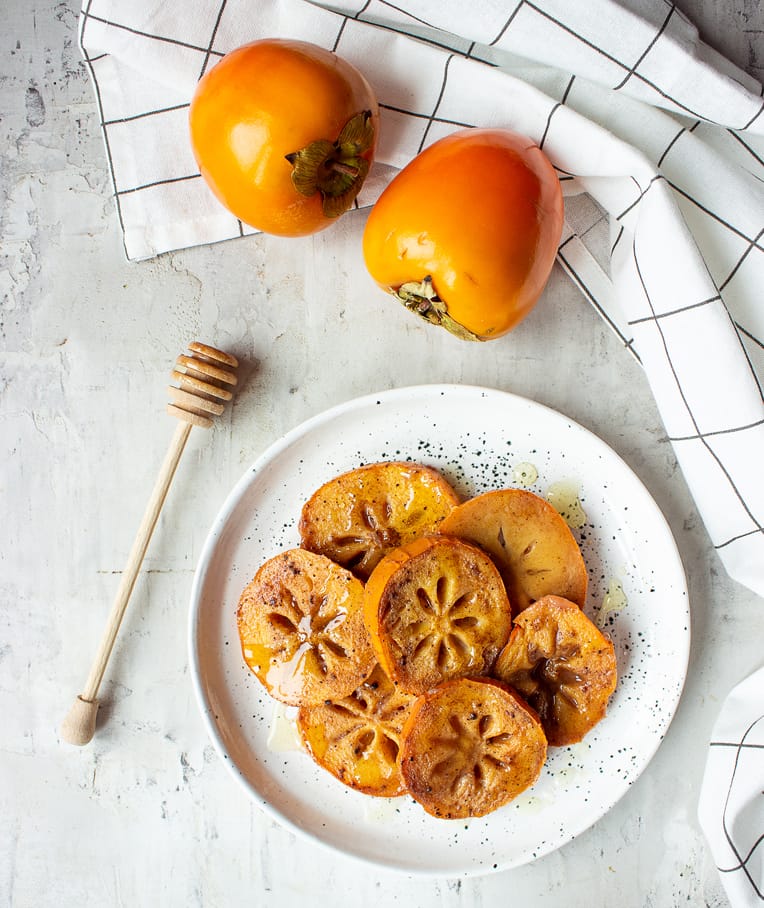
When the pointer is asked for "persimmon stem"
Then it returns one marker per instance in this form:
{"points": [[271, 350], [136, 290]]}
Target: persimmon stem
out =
{"points": [[335, 169], [421, 298], [339, 167]]}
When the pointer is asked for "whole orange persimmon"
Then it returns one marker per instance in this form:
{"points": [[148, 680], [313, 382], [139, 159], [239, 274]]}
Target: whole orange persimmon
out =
{"points": [[284, 133], [466, 234]]}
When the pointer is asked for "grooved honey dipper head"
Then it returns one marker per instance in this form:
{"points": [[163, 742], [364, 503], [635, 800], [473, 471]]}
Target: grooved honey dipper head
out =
{"points": [[203, 380]]}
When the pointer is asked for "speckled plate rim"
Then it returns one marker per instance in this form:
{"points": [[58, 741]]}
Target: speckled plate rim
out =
{"points": [[304, 430]]}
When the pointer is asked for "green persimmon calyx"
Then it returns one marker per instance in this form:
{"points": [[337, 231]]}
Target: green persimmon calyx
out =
{"points": [[421, 298], [335, 169]]}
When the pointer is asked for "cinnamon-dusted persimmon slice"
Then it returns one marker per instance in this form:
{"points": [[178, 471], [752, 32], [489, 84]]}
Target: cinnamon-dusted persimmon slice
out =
{"points": [[359, 516], [470, 746], [531, 544], [301, 628], [563, 665], [357, 738], [436, 609]]}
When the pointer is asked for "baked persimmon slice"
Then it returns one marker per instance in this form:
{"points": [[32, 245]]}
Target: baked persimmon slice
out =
{"points": [[531, 544], [359, 516], [436, 609], [357, 738], [470, 746], [301, 628], [563, 665]]}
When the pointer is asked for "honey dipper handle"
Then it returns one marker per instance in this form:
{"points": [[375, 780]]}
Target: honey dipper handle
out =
{"points": [[79, 725]]}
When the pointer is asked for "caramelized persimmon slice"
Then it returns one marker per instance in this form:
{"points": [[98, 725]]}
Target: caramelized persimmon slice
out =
{"points": [[470, 746], [301, 628], [359, 516], [357, 738], [436, 609], [563, 665], [531, 544]]}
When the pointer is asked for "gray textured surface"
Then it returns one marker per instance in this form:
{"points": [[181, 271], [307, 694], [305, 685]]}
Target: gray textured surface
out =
{"points": [[146, 815]]}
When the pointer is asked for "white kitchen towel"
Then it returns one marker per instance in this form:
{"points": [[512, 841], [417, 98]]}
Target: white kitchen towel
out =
{"points": [[631, 107], [731, 807]]}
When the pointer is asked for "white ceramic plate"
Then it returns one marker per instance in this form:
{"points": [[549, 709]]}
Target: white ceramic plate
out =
{"points": [[476, 437]]}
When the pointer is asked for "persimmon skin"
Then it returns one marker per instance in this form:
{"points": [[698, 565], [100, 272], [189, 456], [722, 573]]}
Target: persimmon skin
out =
{"points": [[261, 102], [480, 212]]}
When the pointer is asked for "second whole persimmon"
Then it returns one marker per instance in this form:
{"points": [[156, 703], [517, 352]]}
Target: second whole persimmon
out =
{"points": [[467, 233], [284, 133]]}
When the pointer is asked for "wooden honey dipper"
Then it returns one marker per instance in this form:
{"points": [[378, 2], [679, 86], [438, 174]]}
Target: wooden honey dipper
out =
{"points": [[203, 382]]}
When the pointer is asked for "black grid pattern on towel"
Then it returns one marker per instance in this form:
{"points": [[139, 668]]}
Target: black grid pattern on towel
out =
{"points": [[744, 854], [635, 70]]}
